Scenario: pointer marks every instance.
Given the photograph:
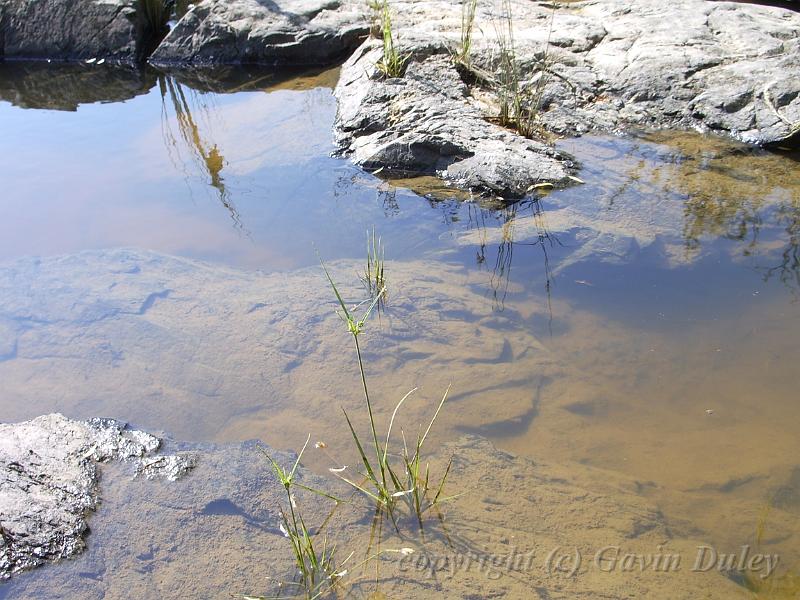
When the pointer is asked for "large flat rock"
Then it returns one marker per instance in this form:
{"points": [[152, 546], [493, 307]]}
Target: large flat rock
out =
{"points": [[609, 65], [215, 532]]}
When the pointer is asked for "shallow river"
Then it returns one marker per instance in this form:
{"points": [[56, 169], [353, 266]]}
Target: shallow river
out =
{"points": [[645, 323]]}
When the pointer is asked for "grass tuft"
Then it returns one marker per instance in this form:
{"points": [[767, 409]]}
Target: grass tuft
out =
{"points": [[316, 563], [520, 100], [156, 14], [387, 479], [373, 278], [392, 63], [468, 11]]}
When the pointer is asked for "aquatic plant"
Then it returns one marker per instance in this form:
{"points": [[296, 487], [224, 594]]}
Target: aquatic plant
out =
{"points": [[392, 63], [373, 277], [382, 480], [316, 562]]}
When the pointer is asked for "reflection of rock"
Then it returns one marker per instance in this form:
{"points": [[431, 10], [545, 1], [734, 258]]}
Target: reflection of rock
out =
{"points": [[287, 32], [66, 86], [425, 124], [698, 190], [216, 532], [69, 29], [225, 79], [48, 480]]}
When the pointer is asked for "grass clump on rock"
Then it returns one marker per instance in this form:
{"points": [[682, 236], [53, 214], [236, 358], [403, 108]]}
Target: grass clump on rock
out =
{"points": [[392, 63]]}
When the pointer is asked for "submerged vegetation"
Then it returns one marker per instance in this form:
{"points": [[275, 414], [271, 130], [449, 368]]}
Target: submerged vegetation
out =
{"points": [[396, 483], [315, 561], [373, 277], [382, 480]]}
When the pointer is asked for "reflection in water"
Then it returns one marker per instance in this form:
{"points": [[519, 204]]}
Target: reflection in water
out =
{"points": [[500, 276], [733, 192], [60, 86], [206, 155], [669, 241], [787, 270]]}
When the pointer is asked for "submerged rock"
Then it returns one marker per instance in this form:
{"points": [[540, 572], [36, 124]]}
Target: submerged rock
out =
{"points": [[70, 29], [48, 482], [217, 533], [287, 32]]}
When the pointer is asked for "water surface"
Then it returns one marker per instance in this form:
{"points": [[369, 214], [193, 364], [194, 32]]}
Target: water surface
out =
{"points": [[644, 323]]}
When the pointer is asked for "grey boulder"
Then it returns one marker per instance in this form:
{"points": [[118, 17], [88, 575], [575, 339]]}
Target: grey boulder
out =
{"points": [[70, 29], [608, 65], [282, 32], [425, 123], [48, 482]]}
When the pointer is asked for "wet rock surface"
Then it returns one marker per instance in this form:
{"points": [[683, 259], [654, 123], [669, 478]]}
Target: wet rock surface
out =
{"points": [[289, 32], [424, 123], [70, 29], [49, 477]]}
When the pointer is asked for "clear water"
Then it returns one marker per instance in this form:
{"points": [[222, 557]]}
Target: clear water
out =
{"points": [[643, 323]]}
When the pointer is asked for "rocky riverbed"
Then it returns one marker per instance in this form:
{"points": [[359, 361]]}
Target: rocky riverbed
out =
{"points": [[49, 482], [206, 523], [598, 65]]}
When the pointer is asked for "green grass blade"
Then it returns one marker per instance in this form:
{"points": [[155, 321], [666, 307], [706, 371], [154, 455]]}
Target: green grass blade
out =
{"points": [[364, 458]]}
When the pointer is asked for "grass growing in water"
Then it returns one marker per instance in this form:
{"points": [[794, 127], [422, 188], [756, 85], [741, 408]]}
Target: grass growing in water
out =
{"points": [[373, 277], [315, 562], [392, 63], [384, 482]]}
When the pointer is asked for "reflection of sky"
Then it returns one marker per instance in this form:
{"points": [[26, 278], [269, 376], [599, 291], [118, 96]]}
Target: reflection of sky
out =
{"points": [[103, 176], [126, 174]]}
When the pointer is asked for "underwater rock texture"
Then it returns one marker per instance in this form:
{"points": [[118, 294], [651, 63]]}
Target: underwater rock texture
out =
{"points": [[217, 353], [48, 482], [69, 29], [289, 32], [216, 533]]}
